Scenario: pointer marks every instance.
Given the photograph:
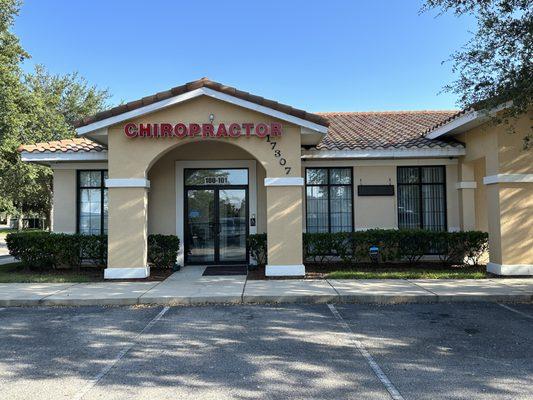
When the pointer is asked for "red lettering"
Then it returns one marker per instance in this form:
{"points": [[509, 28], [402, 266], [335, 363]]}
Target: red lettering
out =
{"points": [[194, 129], [145, 130], [234, 130], [166, 130], [276, 129], [131, 130], [261, 130], [248, 127], [208, 130], [221, 131], [180, 130]]}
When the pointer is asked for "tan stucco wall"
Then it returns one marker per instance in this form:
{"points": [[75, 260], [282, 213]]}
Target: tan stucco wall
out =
{"points": [[504, 209], [284, 210], [64, 201], [133, 158], [480, 196], [381, 211], [127, 240], [162, 176]]}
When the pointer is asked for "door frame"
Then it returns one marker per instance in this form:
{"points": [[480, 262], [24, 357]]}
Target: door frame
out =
{"points": [[181, 165], [216, 211]]}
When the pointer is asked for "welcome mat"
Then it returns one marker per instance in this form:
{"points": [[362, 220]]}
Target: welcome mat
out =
{"points": [[223, 270]]}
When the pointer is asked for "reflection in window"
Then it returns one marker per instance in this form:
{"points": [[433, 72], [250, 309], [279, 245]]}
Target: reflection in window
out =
{"points": [[329, 199], [422, 198], [92, 207]]}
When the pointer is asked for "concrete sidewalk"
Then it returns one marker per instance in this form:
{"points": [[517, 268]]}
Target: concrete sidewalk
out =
{"points": [[189, 287]]}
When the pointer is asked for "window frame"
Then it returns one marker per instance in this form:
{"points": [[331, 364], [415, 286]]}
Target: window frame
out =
{"points": [[329, 185], [420, 184], [79, 188]]}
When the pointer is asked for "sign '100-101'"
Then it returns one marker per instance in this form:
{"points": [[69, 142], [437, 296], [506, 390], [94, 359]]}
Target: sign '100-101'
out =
{"points": [[181, 130]]}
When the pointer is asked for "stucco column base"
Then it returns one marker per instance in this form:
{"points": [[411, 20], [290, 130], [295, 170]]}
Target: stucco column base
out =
{"points": [[126, 273], [510, 269], [127, 233], [284, 227], [285, 270]]}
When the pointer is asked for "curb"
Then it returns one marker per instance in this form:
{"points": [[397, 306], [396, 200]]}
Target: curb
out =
{"points": [[289, 299]]}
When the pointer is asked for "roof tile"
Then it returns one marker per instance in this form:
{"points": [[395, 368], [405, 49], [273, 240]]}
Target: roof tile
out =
{"points": [[383, 129], [204, 82], [64, 146], [347, 131]]}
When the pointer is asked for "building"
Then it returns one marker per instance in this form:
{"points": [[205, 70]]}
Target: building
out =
{"points": [[212, 164]]}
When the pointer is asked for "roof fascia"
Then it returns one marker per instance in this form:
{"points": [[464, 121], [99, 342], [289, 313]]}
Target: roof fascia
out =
{"points": [[191, 95]]}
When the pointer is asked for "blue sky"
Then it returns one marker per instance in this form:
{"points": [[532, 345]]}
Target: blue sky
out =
{"points": [[316, 55]]}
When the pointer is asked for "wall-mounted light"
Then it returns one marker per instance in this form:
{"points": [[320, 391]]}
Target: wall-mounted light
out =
{"points": [[211, 117]]}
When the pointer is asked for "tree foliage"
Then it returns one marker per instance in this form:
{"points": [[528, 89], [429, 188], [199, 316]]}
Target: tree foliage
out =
{"points": [[34, 107], [495, 66]]}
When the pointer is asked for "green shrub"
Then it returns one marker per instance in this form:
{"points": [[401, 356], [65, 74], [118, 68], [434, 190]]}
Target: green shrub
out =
{"points": [[163, 250], [476, 244], [44, 250], [394, 246], [92, 249], [257, 245]]}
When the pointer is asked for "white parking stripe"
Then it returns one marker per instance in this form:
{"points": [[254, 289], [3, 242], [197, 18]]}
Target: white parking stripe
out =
{"points": [[394, 393], [516, 311], [98, 377]]}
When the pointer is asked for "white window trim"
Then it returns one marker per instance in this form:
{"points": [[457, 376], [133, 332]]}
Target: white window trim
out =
{"points": [[390, 153], [50, 157], [466, 185], [128, 183], [508, 178], [191, 95], [291, 181], [180, 193]]}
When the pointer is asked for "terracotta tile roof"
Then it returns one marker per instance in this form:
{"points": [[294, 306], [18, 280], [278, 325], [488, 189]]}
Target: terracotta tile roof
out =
{"points": [[447, 120], [64, 146], [383, 129], [201, 83], [347, 131]]}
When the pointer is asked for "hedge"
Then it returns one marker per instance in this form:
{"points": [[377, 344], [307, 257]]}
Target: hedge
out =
{"points": [[394, 246], [257, 244], [44, 250]]}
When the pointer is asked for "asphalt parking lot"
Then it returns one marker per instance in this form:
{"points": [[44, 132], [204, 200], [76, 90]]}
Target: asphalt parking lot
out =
{"points": [[410, 351]]}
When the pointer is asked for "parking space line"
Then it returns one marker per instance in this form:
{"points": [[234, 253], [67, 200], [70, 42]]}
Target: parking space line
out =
{"points": [[394, 393], [516, 311], [98, 377]]}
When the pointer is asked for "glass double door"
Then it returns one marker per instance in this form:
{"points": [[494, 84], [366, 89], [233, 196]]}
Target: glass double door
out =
{"points": [[216, 225]]}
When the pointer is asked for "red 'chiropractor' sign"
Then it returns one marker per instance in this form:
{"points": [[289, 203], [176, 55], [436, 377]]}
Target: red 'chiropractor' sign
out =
{"points": [[181, 130]]}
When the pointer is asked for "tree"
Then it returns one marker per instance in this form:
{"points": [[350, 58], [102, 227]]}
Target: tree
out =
{"points": [[12, 91], [496, 66], [34, 107]]}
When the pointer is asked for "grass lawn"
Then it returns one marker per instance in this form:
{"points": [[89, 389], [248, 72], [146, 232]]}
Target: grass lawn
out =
{"points": [[314, 270], [406, 272], [16, 273]]}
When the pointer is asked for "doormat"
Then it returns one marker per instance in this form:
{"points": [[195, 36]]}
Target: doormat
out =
{"points": [[223, 270]]}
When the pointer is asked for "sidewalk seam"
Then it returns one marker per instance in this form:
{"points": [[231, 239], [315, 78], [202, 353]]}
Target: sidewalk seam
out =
{"points": [[41, 300], [138, 299], [423, 288]]}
